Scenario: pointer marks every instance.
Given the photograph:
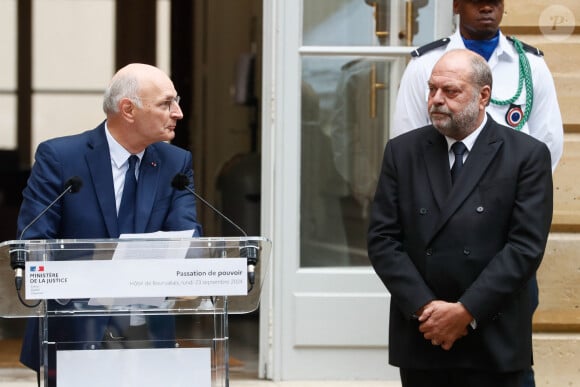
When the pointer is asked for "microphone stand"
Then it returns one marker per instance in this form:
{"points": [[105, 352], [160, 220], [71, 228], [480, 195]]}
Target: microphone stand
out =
{"points": [[249, 251], [18, 256]]}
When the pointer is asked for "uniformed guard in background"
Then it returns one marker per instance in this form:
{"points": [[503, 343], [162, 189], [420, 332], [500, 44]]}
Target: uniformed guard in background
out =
{"points": [[524, 96]]}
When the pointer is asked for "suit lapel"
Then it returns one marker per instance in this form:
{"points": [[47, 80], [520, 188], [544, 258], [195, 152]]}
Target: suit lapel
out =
{"points": [[481, 155], [437, 162], [147, 188], [99, 164]]}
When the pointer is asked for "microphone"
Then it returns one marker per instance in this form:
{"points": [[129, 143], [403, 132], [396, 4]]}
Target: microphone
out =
{"points": [[250, 251], [18, 255]]}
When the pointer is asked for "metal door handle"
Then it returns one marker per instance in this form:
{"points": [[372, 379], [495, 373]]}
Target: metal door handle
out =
{"points": [[376, 14], [408, 33], [375, 87]]}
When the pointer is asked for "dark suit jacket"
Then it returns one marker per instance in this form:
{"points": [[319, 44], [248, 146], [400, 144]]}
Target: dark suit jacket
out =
{"points": [[478, 242], [91, 212]]}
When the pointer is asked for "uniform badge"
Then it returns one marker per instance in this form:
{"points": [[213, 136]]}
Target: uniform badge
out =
{"points": [[514, 115]]}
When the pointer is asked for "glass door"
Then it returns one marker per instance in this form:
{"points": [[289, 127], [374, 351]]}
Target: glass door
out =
{"points": [[333, 73]]}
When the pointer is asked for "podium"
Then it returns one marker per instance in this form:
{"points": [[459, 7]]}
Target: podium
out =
{"points": [[137, 311]]}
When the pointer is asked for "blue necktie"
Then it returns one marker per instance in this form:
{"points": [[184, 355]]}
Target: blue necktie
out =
{"points": [[458, 149], [126, 217]]}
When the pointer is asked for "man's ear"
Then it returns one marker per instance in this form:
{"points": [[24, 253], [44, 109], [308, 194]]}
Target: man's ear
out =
{"points": [[126, 108], [485, 95]]}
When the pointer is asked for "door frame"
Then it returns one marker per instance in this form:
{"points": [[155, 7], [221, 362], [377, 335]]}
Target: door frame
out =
{"points": [[286, 281]]}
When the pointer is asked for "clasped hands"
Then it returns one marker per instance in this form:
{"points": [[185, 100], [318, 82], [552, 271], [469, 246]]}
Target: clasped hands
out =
{"points": [[443, 323]]}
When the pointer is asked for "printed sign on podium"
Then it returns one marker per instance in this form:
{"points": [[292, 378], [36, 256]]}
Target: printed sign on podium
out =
{"points": [[144, 310]]}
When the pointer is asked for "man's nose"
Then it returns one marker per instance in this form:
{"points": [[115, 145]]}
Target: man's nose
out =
{"points": [[487, 6], [176, 111], [436, 97]]}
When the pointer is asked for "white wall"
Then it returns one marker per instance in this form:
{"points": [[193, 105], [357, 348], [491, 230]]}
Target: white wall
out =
{"points": [[73, 59]]}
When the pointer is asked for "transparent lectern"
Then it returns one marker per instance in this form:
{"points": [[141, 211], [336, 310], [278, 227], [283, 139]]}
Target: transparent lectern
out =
{"points": [[137, 311]]}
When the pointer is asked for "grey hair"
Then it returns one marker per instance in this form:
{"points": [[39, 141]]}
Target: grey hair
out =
{"points": [[122, 86], [481, 73]]}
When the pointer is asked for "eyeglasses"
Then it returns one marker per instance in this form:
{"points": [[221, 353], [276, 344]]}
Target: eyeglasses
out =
{"points": [[167, 104]]}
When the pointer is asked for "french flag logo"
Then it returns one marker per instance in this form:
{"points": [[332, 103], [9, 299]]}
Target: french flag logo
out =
{"points": [[37, 268]]}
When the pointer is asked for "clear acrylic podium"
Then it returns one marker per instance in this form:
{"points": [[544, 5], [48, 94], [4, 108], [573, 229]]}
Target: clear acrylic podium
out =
{"points": [[133, 312]]}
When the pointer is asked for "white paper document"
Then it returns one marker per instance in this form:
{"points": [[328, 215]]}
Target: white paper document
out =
{"points": [[148, 249]]}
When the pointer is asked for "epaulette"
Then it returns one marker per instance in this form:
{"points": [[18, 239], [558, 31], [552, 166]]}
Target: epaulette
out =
{"points": [[527, 47], [430, 46]]}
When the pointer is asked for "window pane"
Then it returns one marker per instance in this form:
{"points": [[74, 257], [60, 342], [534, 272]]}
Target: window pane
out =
{"points": [[60, 115], [344, 126], [72, 65], [8, 74], [345, 22], [7, 122], [8, 27], [77, 51]]}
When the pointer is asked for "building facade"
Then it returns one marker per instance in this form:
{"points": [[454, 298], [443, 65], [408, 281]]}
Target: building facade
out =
{"points": [[306, 88]]}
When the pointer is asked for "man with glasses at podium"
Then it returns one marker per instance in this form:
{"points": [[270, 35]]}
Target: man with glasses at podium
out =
{"points": [[125, 166]]}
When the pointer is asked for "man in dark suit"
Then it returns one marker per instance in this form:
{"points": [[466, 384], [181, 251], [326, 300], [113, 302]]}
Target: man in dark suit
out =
{"points": [[456, 238], [531, 109], [142, 110]]}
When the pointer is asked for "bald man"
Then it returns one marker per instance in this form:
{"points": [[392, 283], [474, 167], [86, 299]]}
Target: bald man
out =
{"points": [[142, 110], [458, 226]]}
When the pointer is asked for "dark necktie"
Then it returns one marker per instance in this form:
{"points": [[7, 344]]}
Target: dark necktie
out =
{"points": [[458, 149], [126, 217]]}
